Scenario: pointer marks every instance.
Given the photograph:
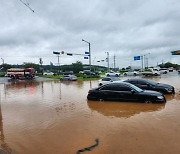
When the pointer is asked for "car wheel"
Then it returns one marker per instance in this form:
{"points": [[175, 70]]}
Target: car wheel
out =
{"points": [[100, 84], [125, 74], [116, 75], [148, 101], [135, 74], [156, 74], [108, 75]]}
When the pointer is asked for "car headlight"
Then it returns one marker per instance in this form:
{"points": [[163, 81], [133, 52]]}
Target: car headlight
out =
{"points": [[160, 97], [169, 90]]}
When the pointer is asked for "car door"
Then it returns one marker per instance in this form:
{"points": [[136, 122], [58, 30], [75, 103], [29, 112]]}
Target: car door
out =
{"points": [[125, 93], [143, 85], [107, 92]]}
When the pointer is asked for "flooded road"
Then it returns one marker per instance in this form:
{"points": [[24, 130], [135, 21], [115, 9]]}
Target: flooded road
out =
{"points": [[53, 117]]}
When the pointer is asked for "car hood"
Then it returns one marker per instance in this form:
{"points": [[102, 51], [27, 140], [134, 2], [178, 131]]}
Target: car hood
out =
{"points": [[164, 85], [151, 92]]}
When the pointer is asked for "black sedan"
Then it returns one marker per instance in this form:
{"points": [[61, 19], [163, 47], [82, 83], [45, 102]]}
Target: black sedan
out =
{"points": [[151, 85], [125, 92]]}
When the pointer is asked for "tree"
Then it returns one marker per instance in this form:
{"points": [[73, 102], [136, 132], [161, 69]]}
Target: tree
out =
{"points": [[33, 65], [78, 66], [4, 67]]}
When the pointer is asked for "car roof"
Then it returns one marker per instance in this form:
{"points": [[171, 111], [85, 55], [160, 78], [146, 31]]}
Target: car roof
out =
{"points": [[111, 77], [136, 79], [117, 83]]}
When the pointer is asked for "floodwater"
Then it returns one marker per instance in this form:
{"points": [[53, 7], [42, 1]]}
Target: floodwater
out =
{"points": [[53, 117]]}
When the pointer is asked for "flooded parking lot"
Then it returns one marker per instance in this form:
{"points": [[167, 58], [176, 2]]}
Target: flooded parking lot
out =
{"points": [[43, 117]]}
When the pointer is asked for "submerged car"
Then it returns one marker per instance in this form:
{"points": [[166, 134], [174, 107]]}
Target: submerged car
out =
{"points": [[152, 85], [107, 80], [123, 91], [69, 78]]}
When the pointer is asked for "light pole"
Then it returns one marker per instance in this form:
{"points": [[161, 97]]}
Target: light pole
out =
{"points": [[2, 60], [146, 61], [89, 52], [57, 53], [107, 60]]}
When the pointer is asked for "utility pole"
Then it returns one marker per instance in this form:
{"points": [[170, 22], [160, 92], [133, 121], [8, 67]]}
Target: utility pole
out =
{"points": [[142, 62], [2, 61], [89, 52], [114, 62], [41, 62], [107, 60]]}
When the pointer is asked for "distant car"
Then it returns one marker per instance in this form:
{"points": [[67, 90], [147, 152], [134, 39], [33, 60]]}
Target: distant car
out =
{"points": [[68, 73], [164, 70], [134, 73], [112, 74], [89, 72], [125, 92], [48, 73], [69, 78], [151, 85], [107, 80]]}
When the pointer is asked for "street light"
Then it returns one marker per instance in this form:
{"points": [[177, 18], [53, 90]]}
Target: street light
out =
{"points": [[2, 60], [89, 52]]}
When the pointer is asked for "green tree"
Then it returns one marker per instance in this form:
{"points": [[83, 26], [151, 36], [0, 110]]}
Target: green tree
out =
{"points": [[78, 66], [33, 65], [5, 66]]}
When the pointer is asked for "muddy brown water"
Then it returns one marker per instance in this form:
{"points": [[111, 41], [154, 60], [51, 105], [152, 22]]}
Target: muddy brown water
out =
{"points": [[53, 117]]}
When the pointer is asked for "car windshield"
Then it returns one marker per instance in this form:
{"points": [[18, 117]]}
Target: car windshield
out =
{"points": [[136, 88], [152, 82], [115, 79]]}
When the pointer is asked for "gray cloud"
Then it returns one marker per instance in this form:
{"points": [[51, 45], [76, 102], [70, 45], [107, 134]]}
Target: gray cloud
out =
{"points": [[124, 28]]}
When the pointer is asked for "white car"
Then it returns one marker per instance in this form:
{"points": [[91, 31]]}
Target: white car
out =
{"points": [[48, 73], [112, 74], [164, 70], [107, 80], [134, 73], [69, 78]]}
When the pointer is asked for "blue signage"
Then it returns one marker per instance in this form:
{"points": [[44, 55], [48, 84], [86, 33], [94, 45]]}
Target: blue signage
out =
{"points": [[137, 57]]}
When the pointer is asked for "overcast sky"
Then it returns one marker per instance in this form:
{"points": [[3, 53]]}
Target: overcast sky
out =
{"points": [[124, 28]]}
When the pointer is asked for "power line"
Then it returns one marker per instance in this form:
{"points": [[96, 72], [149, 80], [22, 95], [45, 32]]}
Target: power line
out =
{"points": [[27, 5]]}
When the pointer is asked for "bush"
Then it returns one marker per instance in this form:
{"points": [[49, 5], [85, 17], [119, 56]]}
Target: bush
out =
{"points": [[2, 74]]}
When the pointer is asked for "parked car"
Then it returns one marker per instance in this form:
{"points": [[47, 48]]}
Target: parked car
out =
{"points": [[151, 85], [48, 73], [107, 80], [151, 72], [69, 78], [112, 74], [89, 72], [163, 70], [123, 91], [68, 73], [134, 73]]}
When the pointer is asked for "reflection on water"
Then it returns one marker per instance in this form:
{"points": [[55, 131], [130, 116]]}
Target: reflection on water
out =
{"points": [[122, 109], [43, 117]]}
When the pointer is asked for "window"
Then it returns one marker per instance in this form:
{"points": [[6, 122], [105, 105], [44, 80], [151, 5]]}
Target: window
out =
{"points": [[116, 87], [107, 87], [106, 79]]}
